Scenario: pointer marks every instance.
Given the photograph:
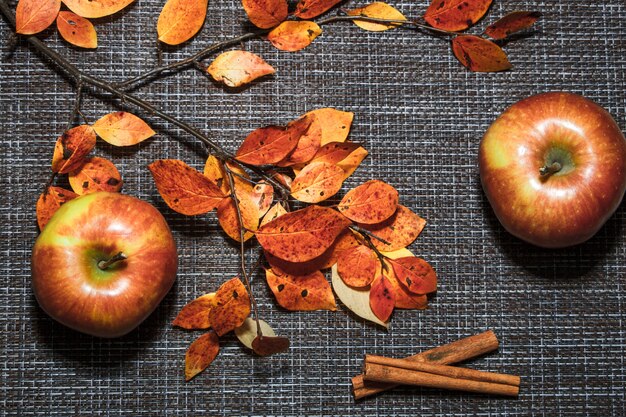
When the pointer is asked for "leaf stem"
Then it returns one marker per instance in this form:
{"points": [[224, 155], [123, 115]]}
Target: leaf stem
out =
{"points": [[367, 233]]}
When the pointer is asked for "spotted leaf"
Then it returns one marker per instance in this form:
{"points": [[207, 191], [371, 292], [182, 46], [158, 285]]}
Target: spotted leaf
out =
{"points": [[200, 354], [415, 274], [308, 9], [455, 15], [195, 315], [301, 293], [400, 230], [293, 35], [33, 16], [96, 174], [50, 201], [479, 54], [382, 298], [232, 307], [358, 266], [512, 23], [180, 20], [77, 30], [71, 149], [121, 128], [316, 182], [265, 14], [237, 68], [378, 10], [372, 202]]}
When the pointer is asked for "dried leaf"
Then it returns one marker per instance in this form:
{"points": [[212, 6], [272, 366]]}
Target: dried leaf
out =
{"points": [[195, 315], [378, 10], [415, 274], [512, 23], [372, 202], [479, 54], [268, 345], [317, 182], [71, 149], [358, 266], [77, 30], [228, 219], [200, 354], [96, 174], [180, 20], [274, 212], [184, 189], [293, 35], [214, 171], [262, 196], [382, 297], [96, 8], [122, 129], [301, 293], [265, 14], [400, 230], [347, 156], [307, 146], [232, 307], [335, 124], [308, 9], [247, 332], [50, 201], [404, 299], [455, 15], [236, 68], [33, 16], [302, 235], [284, 179], [346, 240]]}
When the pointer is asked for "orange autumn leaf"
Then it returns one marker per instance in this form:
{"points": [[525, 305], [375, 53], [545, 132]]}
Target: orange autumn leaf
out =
{"points": [[96, 174], [195, 315], [316, 182], [236, 68], [184, 189], [347, 156], [262, 195], [50, 201], [284, 179], [377, 10], [200, 354], [358, 266], [121, 128], [382, 297], [265, 14], [214, 170], [71, 149], [293, 35], [335, 124], [274, 212], [479, 54], [269, 345], [400, 230], [307, 146], [415, 274], [346, 240], [512, 23], [302, 235], [77, 30], [232, 307], [33, 16], [308, 9], [229, 220], [372, 202], [404, 299], [180, 20], [301, 293], [96, 8], [455, 15]]}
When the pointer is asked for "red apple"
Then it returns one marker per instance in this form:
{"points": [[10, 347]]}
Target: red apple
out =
{"points": [[103, 263], [553, 167]]}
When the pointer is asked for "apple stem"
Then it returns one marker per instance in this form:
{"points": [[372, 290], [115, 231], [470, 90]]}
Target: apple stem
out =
{"points": [[550, 169], [104, 264]]}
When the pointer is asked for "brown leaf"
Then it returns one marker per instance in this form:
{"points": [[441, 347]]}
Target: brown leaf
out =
{"points": [[214, 171], [307, 146], [200, 354], [195, 315], [404, 299], [96, 8], [358, 266], [50, 201], [184, 189], [293, 35], [302, 235], [301, 293], [232, 307], [247, 332], [33, 16], [335, 124], [274, 212], [269, 345], [382, 297], [236, 68], [455, 15], [71, 149], [122, 129], [372, 202], [377, 10], [308, 9], [228, 219], [512, 23], [96, 174], [180, 20], [265, 14], [415, 274], [400, 230], [77, 30], [479, 54], [317, 182]]}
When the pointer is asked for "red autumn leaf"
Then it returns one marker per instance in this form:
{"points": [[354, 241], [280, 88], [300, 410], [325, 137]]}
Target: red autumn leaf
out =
{"points": [[346, 240], [262, 195], [455, 15], [200, 354], [265, 14], [236, 68], [121, 128], [377, 10], [372, 202], [301, 293], [302, 235], [479, 54], [180, 20], [415, 274], [77, 30], [358, 266], [232, 307], [71, 149], [50, 201], [317, 182], [229, 220], [96, 174], [184, 189], [293, 35], [33, 16], [308, 9], [195, 315], [307, 146], [274, 212], [269, 345], [96, 8], [269, 145], [335, 124], [404, 299], [400, 230], [512, 23], [214, 171], [382, 298]]}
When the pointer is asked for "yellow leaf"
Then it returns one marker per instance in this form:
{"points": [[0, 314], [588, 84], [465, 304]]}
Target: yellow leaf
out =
{"points": [[77, 30], [335, 124], [96, 8], [378, 10], [122, 129], [236, 68], [180, 20]]}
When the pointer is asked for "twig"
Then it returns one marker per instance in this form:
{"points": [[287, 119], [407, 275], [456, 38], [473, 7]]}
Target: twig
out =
{"points": [[76, 108], [368, 233]]}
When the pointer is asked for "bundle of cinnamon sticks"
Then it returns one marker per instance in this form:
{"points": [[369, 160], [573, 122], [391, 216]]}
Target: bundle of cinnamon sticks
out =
{"points": [[429, 369]]}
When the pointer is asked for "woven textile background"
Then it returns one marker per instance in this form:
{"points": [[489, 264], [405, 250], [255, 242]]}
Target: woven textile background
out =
{"points": [[559, 315]]}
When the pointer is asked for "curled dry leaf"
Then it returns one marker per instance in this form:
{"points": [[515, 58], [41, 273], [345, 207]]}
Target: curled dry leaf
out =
{"points": [[404, 299], [302, 235], [307, 146], [358, 266], [265, 14], [77, 30], [400, 230], [236, 68], [479, 54], [214, 171], [229, 220], [372, 202], [293, 35], [184, 189], [308, 9], [195, 315], [71, 149], [121, 128], [96, 8], [50, 201], [96, 174], [455, 15], [33, 16], [378, 10], [180, 20], [247, 332], [232, 307], [200, 354], [415, 274], [316, 182], [274, 212], [301, 293], [382, 297], [268, 345], [335, 124], [512, 23]]}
